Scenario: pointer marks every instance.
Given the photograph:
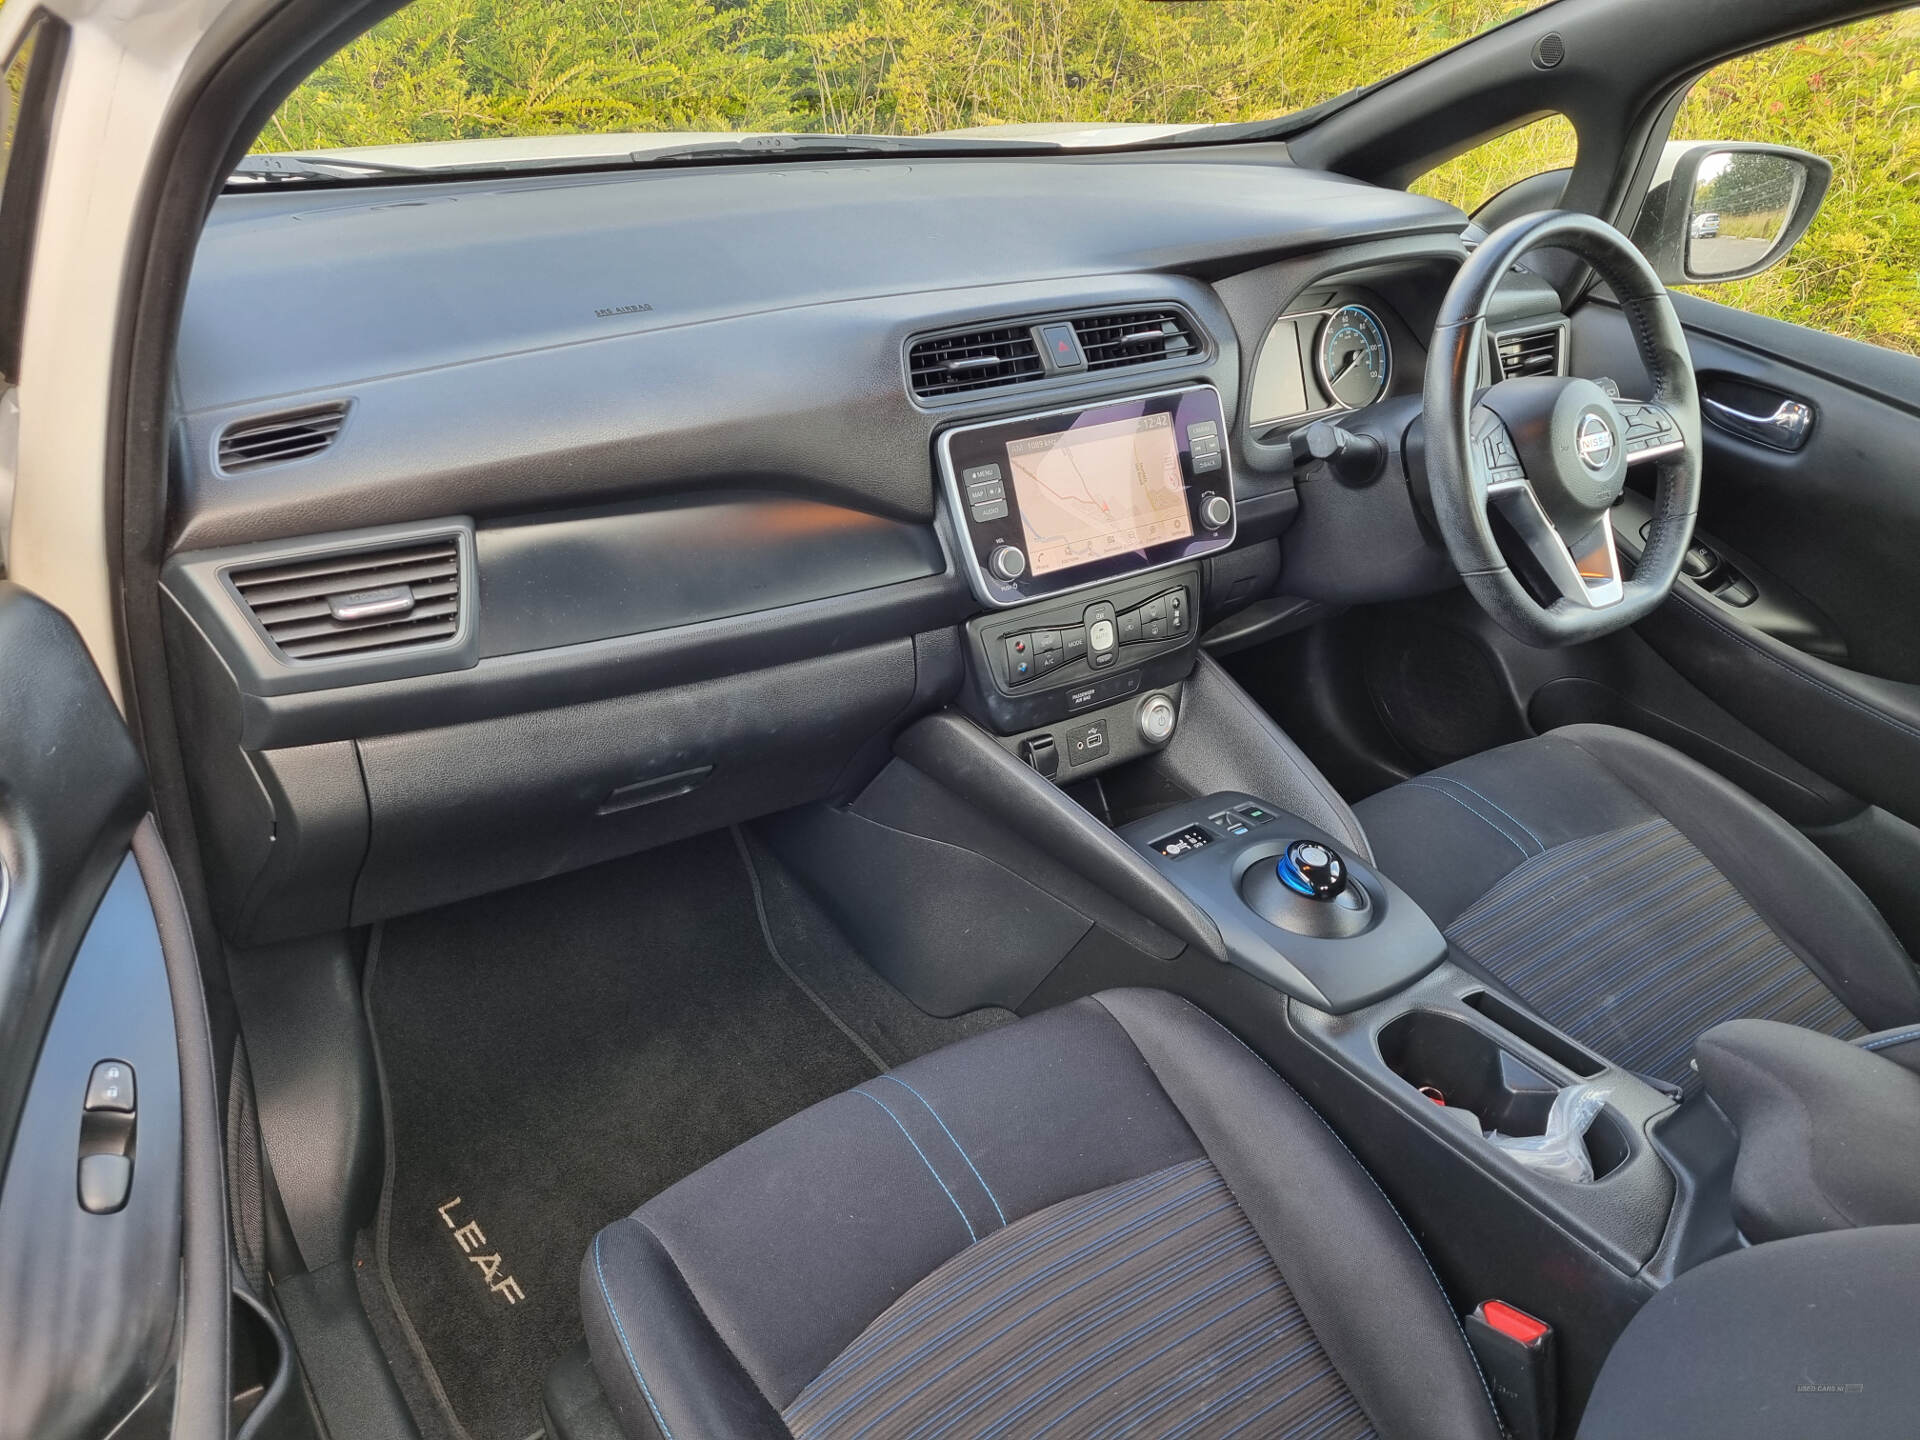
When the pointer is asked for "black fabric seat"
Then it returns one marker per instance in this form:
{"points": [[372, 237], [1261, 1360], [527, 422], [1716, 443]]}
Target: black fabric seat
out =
{"points": [[1109, 1219], [1636, 899]]}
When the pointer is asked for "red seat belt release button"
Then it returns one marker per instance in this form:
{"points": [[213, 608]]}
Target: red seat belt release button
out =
{"points": [[1515, 1352], [1513, 1322]]}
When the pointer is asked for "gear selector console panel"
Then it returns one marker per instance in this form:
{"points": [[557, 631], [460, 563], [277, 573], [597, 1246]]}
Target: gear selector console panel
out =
{"points": [[1296, 907]]}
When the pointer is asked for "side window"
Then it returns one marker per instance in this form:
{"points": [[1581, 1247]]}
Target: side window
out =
{"points": [[1471, 179], [1851, 96]]}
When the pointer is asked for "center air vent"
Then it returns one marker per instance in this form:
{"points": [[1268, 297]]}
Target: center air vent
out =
{"points": [[357, 602], [276, 439], [1134, 337], [1530, 352], [1018, 353], [973, 360]]}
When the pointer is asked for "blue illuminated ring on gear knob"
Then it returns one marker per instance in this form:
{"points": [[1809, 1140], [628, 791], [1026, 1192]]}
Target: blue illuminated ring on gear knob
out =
{"points": [[1312, 869]]}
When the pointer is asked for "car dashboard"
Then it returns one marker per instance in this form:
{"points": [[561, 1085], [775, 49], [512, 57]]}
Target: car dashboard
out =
{"points": [[520, 522]]}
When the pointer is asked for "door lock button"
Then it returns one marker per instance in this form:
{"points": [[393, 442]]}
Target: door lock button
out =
{"points": [[110, 1087]]}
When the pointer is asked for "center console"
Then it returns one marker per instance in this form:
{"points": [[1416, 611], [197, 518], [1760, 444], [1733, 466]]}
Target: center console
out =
{"points": [[1293, 910], [1081, 531], [1189, 867]]}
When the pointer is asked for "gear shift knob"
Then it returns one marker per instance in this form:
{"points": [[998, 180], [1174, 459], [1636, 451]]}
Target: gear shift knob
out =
{"points": [[1312, 869]]}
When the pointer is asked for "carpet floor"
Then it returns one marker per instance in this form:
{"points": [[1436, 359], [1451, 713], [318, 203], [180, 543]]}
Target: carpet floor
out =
{"points": [[553, 1056]]}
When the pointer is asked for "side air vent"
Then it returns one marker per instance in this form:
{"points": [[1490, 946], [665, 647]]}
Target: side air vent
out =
{"points": [[1134, 337], [276, 439], [973, 360], [358, 602], [1530, 352]]}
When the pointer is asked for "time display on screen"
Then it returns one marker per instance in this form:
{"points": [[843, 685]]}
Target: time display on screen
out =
{"points": [[1096, 491]]}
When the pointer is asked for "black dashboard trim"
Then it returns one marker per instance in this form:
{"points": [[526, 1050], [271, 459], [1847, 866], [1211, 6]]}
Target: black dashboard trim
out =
{"points": [[600, 669], [550, 580]]}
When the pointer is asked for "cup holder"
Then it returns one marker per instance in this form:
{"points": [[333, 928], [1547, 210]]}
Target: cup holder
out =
{"points": [[1449, 1060]]}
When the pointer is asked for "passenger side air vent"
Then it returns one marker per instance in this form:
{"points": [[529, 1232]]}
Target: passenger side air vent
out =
{"points": [[356, 602], [1530, 352], [973, 360], [276, 439], [1134, 337]]}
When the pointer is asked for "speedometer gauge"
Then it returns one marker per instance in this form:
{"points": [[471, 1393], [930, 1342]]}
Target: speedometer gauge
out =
{"points": [[1355, 360]]}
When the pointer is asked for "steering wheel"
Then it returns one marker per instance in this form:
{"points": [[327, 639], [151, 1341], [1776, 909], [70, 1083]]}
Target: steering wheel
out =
{"points": [[1550, 453]]}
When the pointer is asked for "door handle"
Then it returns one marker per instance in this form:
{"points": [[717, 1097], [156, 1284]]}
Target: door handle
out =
{"points": [[1787, 428]]}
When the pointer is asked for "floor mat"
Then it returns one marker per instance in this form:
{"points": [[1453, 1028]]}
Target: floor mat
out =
{"points": [[553, 1056]]}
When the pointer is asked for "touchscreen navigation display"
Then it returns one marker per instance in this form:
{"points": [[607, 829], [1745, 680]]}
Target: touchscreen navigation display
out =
{"points": [[1086, 494]]}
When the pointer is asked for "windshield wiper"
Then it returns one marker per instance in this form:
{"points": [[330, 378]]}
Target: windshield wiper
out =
{"points": [[272, 169]]}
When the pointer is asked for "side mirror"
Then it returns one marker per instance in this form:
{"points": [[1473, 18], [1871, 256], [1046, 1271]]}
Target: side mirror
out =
{"points": [[1725, 209]]}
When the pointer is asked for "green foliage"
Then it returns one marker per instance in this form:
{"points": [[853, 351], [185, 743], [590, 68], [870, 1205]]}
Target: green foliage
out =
{"points": [[454, 69], [448, 69]]}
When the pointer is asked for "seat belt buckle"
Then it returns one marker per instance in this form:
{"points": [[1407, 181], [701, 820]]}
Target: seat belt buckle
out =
{"points": [[1515, 1352]]}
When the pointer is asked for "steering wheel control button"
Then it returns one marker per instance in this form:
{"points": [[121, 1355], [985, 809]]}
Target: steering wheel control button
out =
{"points": [[1009, 562], [110, 1087], [1312, 869], [1156, 719], [1651, 430], [1216, 512], [105, 1181]]}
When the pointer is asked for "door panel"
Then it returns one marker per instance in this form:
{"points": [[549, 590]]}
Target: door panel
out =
{"points": [[1838, 519], [1805, 627], [1829, 531], [98, 1111]]}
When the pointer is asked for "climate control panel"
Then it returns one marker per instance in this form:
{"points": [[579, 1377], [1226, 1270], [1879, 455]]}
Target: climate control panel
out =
{"points": [[1080, 654], [1099, 637]]}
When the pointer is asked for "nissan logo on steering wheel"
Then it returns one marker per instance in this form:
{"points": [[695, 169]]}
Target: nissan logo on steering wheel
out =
{"points": [[1595, 439]]}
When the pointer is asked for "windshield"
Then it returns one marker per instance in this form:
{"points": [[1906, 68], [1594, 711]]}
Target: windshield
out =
{"points": [[640, 74]]}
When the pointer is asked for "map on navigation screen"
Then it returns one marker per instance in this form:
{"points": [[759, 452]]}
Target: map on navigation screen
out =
{"points": [[1105, 490]]}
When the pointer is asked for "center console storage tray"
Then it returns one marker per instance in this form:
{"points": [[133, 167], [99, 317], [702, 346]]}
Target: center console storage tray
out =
{"points": [[1442, 1056]]}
